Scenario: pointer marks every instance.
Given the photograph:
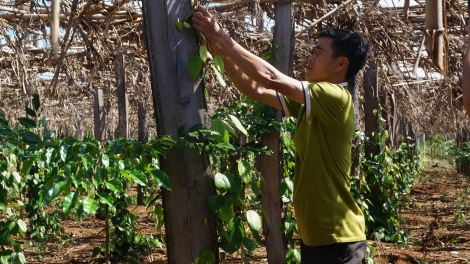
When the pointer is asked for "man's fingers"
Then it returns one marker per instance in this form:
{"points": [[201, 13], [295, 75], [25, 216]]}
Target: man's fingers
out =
{"points": [[203, 11]]}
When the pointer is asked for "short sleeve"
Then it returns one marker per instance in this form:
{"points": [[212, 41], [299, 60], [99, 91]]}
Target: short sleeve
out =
{"points": [[289, 107], [329, 101]]}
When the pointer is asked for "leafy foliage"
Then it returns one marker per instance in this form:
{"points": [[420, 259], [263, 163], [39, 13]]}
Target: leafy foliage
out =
{"points": [[38, 169], [389, 177]]}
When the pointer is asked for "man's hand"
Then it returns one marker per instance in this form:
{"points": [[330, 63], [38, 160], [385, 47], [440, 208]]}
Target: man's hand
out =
{"points": [[206, 24]]}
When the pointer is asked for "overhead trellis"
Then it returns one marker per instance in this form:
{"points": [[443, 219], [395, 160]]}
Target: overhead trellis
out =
{"points": [[91, 34]]}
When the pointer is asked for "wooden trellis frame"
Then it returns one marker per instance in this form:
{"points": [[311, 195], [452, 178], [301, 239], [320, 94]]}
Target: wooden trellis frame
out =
{"points": [[88, 41]]}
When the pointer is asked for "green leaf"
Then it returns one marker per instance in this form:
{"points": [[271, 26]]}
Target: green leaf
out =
{"points": [[286, 139], [27, 122], [87, 161], [139, 177], [238, 124], [27, 163], [69, 202], [207, 257], [219, 64], [186, 25], [236, 231], [6, 132], [30, 137], [204, 53], [106, 198], [161, 178], [22, 225], [244, 169], [114, 185], [218, 126], [179, 24], [219, 76], [21, 258], [36, 102], [297, 255], [53, 191], [195, 67], [226, 213], [253, 219], [30, 112], [105, 160], [189, 14], [221, 182], [216, 202], [63, 152], [49, 154], [89, 205], [224, 145], [16, 176]]}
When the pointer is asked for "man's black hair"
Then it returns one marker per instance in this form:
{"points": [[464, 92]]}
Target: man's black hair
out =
{"points": [[349, 44]]}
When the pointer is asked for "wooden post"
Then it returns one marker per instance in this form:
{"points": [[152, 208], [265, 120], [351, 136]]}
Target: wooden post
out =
{"points": [[143, 135], [123, 108], [271, 166], [190, 224], [99, 115], [434, 30], [371, 93], [356, 148], [406, 7]]}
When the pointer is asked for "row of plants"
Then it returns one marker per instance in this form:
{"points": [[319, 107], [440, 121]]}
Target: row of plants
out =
{"points": [[88, 177], [389, 175], [83, 177]]}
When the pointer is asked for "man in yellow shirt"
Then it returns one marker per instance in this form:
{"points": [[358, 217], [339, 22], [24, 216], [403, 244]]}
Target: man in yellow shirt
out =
{"points": [[330, 223]]}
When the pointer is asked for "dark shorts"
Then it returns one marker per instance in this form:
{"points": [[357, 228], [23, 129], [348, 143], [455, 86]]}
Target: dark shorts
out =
{"points": [[351, 253]]}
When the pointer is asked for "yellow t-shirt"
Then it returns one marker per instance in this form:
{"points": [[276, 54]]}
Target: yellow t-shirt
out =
{"points": [[325, 210]]}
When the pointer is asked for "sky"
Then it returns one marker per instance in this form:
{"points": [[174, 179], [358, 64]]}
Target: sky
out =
{"points": [[398, 3]]}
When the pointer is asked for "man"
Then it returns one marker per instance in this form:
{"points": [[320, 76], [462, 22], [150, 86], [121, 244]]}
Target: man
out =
{"points": [[331, 225], [466, 75]]}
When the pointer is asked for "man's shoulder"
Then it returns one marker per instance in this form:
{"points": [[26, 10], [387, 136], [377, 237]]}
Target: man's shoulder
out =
{"points": [[328, 88]]}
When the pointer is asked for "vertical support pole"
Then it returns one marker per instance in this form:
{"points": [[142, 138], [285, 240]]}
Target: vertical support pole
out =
{"points": [[271, 166], [371, 92], [356, 148], [123, 108], [434, 29], [178, 100], [99, 115], [142, 137], [143, 133]]}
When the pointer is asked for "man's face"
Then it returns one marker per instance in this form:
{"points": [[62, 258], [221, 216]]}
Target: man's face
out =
{"points": [[321, 64]]}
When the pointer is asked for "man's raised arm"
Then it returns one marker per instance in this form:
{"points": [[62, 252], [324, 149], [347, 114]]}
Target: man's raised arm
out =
{"points": [[255, 68]]}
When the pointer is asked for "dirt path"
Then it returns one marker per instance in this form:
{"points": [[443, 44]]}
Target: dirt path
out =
{"points": [[440, 199], [436, 237]]}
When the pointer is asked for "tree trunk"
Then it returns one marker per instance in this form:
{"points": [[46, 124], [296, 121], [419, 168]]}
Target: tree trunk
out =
{"points": [[178, 101], [271, 166]]}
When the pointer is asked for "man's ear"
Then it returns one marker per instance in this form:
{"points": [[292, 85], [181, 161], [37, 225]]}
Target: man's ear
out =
{"points": [[342, 64]]}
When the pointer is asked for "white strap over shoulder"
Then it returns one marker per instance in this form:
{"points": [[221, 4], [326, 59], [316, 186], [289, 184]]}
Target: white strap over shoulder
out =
{"points": [[308, 106], [344, 84], [285, 110]]}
